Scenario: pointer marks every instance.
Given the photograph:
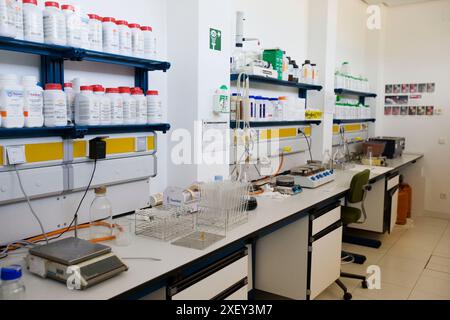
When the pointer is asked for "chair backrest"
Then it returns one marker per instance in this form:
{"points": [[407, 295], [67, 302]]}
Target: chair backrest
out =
{"points": [[356, 192]]}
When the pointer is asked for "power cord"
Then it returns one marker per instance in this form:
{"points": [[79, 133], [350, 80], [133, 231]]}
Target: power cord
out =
{"points": [[309, 144], [29, 204]]}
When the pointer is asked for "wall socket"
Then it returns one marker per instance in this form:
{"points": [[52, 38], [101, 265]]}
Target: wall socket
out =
{"points": [[443, 196]]}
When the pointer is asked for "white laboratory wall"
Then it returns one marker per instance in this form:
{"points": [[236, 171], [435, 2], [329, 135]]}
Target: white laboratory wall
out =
{"points": [[144, 12], [417, 50]]}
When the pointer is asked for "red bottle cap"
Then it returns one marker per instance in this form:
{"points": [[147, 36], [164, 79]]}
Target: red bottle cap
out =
{"points": [[152, 92], [53, 86], [52, 4], [112, 90]]}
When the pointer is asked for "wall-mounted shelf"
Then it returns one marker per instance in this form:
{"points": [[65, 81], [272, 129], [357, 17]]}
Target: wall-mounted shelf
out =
{"points": [[347, 121], [77, 132], [274, 124], [355, 93]]}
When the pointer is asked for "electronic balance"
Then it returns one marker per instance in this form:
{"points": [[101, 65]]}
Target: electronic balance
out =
{"points": [[312, 175], [58, 261]]}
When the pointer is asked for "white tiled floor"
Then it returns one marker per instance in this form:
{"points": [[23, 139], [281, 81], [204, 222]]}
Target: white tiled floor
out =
{"points": [[414, 262]]}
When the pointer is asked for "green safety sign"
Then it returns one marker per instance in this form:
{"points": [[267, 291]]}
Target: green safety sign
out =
{"points": [[215, 39]]}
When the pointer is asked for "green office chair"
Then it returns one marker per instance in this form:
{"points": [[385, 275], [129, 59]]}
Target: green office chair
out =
{"points": [[357, 194]]}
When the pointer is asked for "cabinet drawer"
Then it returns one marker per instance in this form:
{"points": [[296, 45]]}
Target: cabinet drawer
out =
{"points": [[326, 220], [216, 283], [393, 182], [240, 295]]}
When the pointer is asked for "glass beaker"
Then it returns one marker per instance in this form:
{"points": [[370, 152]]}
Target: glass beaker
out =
{"points": [[100, 215], [122, 232]]}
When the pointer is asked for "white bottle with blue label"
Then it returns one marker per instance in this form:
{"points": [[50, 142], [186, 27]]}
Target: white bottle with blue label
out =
{"points": [[11, 102]]}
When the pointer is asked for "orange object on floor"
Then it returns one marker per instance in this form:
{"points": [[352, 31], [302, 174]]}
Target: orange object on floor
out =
{"points": [[404, 204]]}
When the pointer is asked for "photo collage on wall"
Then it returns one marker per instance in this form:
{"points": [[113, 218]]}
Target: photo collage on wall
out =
{"points": [[409, 99]]}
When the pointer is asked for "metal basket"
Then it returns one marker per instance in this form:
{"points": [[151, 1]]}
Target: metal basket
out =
{"points": [[165, 223]]}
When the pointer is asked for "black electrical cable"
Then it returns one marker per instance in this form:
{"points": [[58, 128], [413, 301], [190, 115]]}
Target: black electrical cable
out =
{"points": [[309, 144], [79, 205]]}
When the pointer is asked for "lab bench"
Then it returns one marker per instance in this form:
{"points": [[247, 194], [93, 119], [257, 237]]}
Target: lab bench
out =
{"points": [[307, 220]]}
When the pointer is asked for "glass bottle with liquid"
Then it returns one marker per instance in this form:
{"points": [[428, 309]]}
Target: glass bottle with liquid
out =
{"points": [[100, 216]]}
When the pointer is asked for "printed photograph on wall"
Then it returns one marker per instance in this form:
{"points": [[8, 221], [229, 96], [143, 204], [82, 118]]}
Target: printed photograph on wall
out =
{"points": [[389, 89], [397, 88], [412, 111], [430, 111], [423, 88], [404, 111], [395, 111], [421, 111], [431, 87], [405, 88], [387, 111], [396, 100], [413, 88]]}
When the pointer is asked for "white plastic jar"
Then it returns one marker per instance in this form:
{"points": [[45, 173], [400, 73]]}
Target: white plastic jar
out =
{"points": [[33, 24], [154, 107], [116, 105], [87, 109], [137, 37], [33, 109], [11, 102], [19, 19], [55, 106], [8, 18], [125, 41], [129, 106], [70, 98], [110, 35], [54, 24], [95, 32], [149, 42], [141, 105], [73, 26], [84, 26], [105, 105]]}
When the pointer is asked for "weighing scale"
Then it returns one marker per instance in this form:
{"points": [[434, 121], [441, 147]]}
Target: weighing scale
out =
{"points": [[57, 260]]}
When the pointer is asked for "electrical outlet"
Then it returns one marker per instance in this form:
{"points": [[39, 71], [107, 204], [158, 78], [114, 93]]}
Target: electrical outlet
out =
{"points": [[16, 155], [141, 144], [443, 196], [442, 141]]}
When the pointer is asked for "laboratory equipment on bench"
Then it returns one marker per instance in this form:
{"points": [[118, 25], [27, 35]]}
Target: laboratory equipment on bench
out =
{"points": [[72, 258], [313, 175], [395, 146], [286, 185]]}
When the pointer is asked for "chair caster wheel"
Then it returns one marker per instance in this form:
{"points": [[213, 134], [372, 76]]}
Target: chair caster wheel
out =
{"points": [[365, 285], [347, 296]]}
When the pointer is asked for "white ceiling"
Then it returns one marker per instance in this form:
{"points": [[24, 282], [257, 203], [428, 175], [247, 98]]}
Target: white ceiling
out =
{"points": [[393, 3]]}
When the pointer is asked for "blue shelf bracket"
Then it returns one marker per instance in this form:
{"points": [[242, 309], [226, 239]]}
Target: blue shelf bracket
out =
{"points": [[141, 79], [52, 70]]}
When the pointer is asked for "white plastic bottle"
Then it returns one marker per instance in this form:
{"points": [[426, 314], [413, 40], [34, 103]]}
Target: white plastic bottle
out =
{"points": [[149, 42], [73, 26], [105, 106], [87, 109], [12, 287], [154, 107], [19, 19], [110, 35], [116, 105], [125, 41], [33, 24], [8, 18], [137, 37], [55, 106], [11, 102], [84, 26], [54, 24], [95, 32], [33, 108], [70, 98], [129, 106], [141, 105]]}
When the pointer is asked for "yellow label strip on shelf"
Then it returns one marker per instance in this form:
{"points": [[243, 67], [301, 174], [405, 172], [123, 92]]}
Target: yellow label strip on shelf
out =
{"points": [[79, 149], [1, 156], [151, 143], [43, 152], [279, 133]]}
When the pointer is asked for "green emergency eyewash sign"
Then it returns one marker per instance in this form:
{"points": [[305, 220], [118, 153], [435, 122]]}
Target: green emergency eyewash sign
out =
{"points": [[215, 39]]}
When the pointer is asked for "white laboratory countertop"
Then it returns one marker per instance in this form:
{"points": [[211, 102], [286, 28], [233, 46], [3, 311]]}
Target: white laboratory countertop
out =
{"points": [[140, 272]]}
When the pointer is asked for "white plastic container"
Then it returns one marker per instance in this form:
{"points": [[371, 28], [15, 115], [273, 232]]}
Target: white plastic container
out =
{"points": [[105, 106], [11, 102], [12, 287], [55, 106], [84, 26], [307, 72], [141, 105], [149, 42], [129, 106], [95, 32], [116, 105], [54, 24], [73, 26], [137, 37], [125, 41], [70, 98], [33, 24], [154, 107], [77, 83], [8, 18], [33, 108], [19, 19], [87, 108], [110, 35]]}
